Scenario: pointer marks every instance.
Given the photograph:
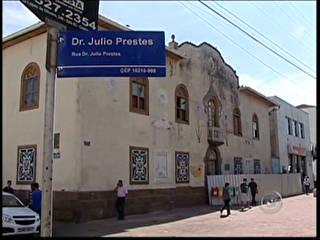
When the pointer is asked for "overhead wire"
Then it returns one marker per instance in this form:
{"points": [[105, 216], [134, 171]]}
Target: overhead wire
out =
{"points": [[282, 27], [291, 19], [261, 34], [301, 14], [257, 40], [245, 50]]}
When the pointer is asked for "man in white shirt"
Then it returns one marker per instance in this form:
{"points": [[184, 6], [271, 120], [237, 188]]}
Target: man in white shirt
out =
{"points": [[122, 193]]}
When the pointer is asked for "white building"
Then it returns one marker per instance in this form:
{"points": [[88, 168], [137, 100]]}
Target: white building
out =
{"points": [[312, 111], [290, 139]]}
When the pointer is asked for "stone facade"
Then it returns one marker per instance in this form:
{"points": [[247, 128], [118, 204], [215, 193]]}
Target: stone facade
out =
{"points": [[85, 206]]}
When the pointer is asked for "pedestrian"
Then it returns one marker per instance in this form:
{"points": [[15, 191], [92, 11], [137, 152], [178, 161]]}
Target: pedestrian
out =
{"points": [[254, 190], [226, 198], [122, 193], [306, 184], [35, 198], [244, 198], [8, 188]]}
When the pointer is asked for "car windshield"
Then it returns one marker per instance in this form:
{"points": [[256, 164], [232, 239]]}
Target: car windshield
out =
{"points": [[10, 201]]}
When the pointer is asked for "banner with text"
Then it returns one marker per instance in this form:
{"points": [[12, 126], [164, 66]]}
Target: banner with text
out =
{"points": [[111, 54]]}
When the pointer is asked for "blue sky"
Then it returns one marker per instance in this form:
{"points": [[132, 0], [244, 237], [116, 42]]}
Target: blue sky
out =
{"points": [[289, 24]]}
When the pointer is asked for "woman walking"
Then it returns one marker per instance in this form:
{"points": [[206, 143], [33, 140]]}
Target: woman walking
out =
{"points": [[122, 193]]}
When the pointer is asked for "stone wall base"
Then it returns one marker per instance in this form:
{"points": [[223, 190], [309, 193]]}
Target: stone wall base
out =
{"points": [[92, 205]]}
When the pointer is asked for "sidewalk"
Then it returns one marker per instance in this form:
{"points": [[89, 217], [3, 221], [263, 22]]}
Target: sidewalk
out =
{"points": [[297, 217], [113, 225]]}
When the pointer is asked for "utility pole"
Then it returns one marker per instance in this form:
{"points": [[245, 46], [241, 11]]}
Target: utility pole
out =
{"points": [[51, 62], [56, 19]]}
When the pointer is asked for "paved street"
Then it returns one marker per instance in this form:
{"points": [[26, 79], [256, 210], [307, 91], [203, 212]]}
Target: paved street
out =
{"points": [[296, 217]]}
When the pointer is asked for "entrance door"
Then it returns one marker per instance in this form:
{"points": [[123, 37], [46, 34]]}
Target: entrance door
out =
{"points": [[213, 162]]}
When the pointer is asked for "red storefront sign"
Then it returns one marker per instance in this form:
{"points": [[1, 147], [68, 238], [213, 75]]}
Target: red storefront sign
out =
{"points": [[297, 150]]}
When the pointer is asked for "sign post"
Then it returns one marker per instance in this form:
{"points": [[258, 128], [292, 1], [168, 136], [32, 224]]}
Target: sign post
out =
{"points": [[75, 14], [46, 206]]}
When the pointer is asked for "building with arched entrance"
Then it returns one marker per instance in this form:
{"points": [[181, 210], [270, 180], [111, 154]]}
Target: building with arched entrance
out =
{"points": [[161, 136]]}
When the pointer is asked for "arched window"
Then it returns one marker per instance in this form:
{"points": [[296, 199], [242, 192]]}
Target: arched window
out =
{"points": [[255, 126], [182, 104], [237, 122], [213, 161], [139, 95], [30, 83], [213, 113]]}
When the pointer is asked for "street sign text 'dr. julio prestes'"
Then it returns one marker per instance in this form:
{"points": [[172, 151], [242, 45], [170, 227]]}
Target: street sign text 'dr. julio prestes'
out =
{"points": [[111, 54]]}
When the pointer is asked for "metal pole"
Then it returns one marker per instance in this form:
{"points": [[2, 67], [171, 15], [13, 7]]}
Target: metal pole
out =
{"points": [[46, 205]]}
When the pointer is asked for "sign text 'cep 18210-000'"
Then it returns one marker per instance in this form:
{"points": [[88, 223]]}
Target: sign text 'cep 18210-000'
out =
{"points": [[111, 54]]}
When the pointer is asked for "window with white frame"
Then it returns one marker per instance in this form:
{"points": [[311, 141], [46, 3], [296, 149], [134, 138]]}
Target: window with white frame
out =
{"points": [[296, 129], [301, 130], [289, 126], [255, 126]]}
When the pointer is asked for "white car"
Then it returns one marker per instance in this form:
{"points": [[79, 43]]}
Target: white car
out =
{"points": [[17, 218]]}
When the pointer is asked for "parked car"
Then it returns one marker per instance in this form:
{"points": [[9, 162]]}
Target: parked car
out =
{"points": [[17, 218]]}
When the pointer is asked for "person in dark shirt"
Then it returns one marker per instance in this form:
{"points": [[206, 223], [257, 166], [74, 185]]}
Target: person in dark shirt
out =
{"points": [[306, 184], [8, 188], [254, 190], [244, 198], [226, 199], [35, 198]]}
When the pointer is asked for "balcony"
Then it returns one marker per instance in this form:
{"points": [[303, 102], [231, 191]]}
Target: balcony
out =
{"points": [[215, 136]]}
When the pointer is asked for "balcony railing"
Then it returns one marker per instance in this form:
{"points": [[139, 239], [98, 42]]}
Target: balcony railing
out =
{"points": [[215, 136]]}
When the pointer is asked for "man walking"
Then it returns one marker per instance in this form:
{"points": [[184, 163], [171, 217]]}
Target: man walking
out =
{"points": [[35, 198], [226, 199], [254, 190], [8, 188], [244, 198]]}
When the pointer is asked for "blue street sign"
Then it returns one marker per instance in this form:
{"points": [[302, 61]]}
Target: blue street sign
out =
{"points": [[111, 54]]}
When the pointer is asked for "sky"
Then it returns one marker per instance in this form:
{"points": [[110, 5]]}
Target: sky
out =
{"points": [[290, 25]]}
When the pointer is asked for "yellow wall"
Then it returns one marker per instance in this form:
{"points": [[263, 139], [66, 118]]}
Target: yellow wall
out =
{"points": [[26, 127], [247, 147]]}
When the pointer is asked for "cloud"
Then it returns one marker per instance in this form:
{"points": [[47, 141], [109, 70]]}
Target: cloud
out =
{"points": [[16, 17], [298, 89]]}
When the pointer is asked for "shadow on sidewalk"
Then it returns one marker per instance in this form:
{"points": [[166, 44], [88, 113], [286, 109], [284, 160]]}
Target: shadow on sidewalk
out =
{"points": [[98, 228]]}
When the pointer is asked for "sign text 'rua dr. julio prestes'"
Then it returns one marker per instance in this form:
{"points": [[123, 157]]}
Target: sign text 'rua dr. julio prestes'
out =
{"points": [[111, 54]]}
